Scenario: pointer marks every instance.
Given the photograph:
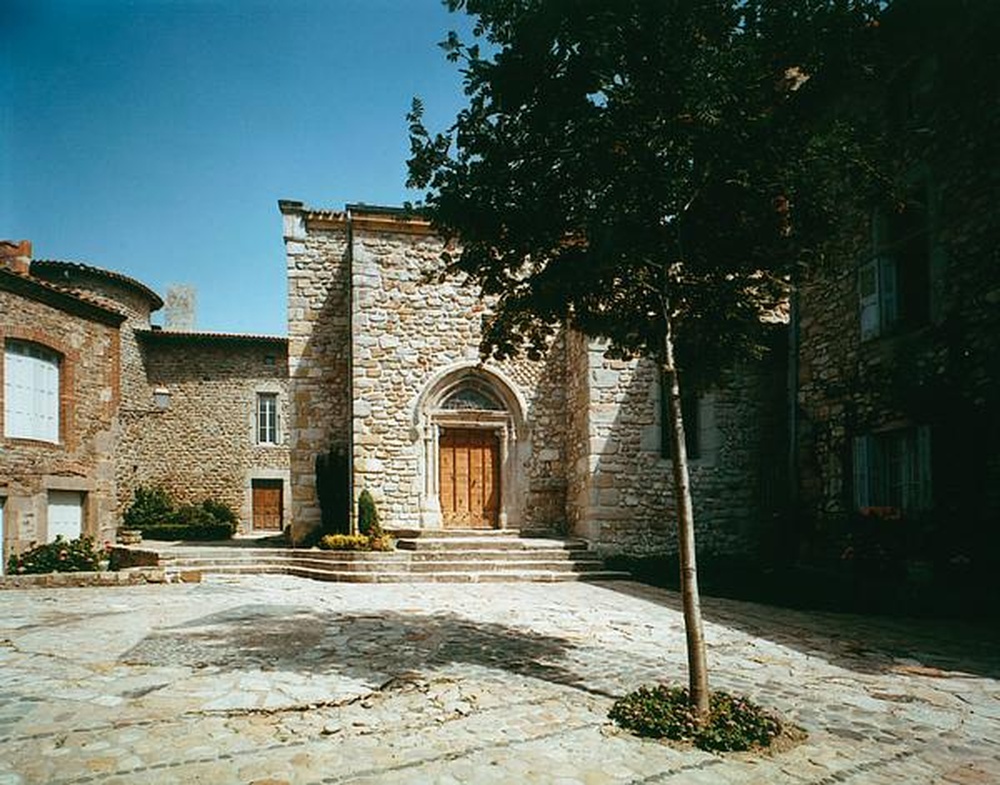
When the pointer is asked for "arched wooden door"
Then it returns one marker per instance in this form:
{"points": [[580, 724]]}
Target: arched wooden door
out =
{"points": [[469, 477]]}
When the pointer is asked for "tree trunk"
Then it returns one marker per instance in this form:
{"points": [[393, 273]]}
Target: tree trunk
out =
{"points": [[697, 660]]}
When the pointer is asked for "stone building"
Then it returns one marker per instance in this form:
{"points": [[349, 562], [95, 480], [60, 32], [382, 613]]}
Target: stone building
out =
{"points": [[384, 368], [897, 365], [97, 401], [61, 388]]}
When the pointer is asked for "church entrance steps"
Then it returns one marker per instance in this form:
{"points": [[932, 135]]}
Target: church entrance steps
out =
{"points": [[428, 557]]}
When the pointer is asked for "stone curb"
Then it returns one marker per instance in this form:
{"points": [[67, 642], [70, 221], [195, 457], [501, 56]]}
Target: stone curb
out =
{"points": [[61, 580]]}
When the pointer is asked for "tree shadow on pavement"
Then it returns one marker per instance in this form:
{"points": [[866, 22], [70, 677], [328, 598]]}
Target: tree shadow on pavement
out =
{"points": [[864, 644], [371, 647]]}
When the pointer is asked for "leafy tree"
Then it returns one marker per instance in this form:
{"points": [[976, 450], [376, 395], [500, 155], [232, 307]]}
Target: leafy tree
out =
{"points": [[646, 171]]}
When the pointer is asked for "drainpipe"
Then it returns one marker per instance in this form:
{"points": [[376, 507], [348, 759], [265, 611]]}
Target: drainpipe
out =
{"points": [[352, 507], [793, 400]]}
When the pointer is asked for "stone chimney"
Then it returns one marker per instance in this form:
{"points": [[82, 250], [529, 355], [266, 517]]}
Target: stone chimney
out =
{"points": [[15, 256]]}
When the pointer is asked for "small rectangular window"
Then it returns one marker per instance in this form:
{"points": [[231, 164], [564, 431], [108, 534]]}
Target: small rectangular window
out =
{"points": [[267, 418], [693, 424]]}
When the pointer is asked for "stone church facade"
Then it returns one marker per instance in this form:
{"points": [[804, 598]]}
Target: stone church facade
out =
{"points": [[384, 368]]}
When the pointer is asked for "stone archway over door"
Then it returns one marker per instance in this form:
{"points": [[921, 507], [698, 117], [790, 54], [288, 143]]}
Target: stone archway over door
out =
{"points": [[469, 422], [469, 477]]}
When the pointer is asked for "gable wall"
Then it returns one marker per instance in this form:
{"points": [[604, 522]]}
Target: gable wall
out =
{"points": [[405, 332], [203, 445]]}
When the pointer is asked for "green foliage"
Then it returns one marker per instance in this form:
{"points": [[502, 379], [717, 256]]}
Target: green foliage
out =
{"points": [[368, 521], [188, 531], [733, 723], [155, 515], [149, 506], [59, 556], [355, 542], [221, 511], [599, 175]]}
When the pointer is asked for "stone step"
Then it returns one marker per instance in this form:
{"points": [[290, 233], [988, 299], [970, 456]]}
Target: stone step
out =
{"points": [[440, 564], [412, 534], [481, 543], [459, 556], [418, 560], [497, 566], [410, 577]]}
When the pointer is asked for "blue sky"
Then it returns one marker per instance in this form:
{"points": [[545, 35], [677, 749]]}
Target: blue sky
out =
{"points": [[155, 137]]}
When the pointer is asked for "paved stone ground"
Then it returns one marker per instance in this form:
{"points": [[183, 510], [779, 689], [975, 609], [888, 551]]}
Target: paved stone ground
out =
{"points": [[276, 679]]}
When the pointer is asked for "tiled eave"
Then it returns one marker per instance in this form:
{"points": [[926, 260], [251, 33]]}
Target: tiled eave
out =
{"points": [[177, 336], [46, 267], [59, 298]]}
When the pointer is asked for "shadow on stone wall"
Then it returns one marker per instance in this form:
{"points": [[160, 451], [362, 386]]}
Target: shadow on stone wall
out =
{"points": [[738, 483]]}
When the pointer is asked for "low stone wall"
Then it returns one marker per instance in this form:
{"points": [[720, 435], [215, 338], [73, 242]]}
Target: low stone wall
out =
{"points": [[75, 580]]}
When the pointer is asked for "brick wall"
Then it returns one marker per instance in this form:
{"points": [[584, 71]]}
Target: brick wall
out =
{"points": [[83, 461]]}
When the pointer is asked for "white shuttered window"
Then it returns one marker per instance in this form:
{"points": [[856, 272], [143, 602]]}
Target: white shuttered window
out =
{"points": [[31, 392]]}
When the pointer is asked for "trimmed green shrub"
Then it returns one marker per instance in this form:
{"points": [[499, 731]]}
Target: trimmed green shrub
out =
{"points": [[154, 514], [149, 506], [221, 511], [355, 542], [368, 522], [733, 723], [60, 555], [172, 531], [344, 542]]}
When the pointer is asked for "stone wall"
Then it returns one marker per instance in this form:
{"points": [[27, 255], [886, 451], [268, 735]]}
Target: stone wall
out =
{"points": [[581, 447], [318, 349], [137, 303], [943, 373], [621, 489], [83, 461], [204, 444], [406, 332]]}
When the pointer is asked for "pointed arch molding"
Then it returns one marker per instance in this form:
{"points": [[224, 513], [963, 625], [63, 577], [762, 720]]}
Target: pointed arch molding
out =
{"points": [[509, 423]]}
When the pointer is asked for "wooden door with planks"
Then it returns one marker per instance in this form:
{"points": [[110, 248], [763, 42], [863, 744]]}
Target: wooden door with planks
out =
{"points": [[469, 477], [267, 504]]}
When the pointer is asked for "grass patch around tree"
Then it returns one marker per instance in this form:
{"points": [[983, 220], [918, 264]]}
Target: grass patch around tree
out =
{"points": [[665, 712]]}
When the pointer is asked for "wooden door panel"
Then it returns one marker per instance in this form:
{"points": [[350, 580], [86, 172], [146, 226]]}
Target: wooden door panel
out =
{"points": [[469, 477], [267, 505]]}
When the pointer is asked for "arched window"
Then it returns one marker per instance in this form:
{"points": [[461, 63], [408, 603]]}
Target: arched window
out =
{"points": [[471, 397], [30, 392]]}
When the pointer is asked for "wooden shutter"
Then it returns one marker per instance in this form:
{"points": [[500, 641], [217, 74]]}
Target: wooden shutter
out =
{"points": [[868, 299], [31, 393], [888, 286]]}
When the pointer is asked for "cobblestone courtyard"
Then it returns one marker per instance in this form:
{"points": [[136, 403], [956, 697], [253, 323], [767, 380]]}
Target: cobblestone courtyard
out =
{"points": [[276, 679]]}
